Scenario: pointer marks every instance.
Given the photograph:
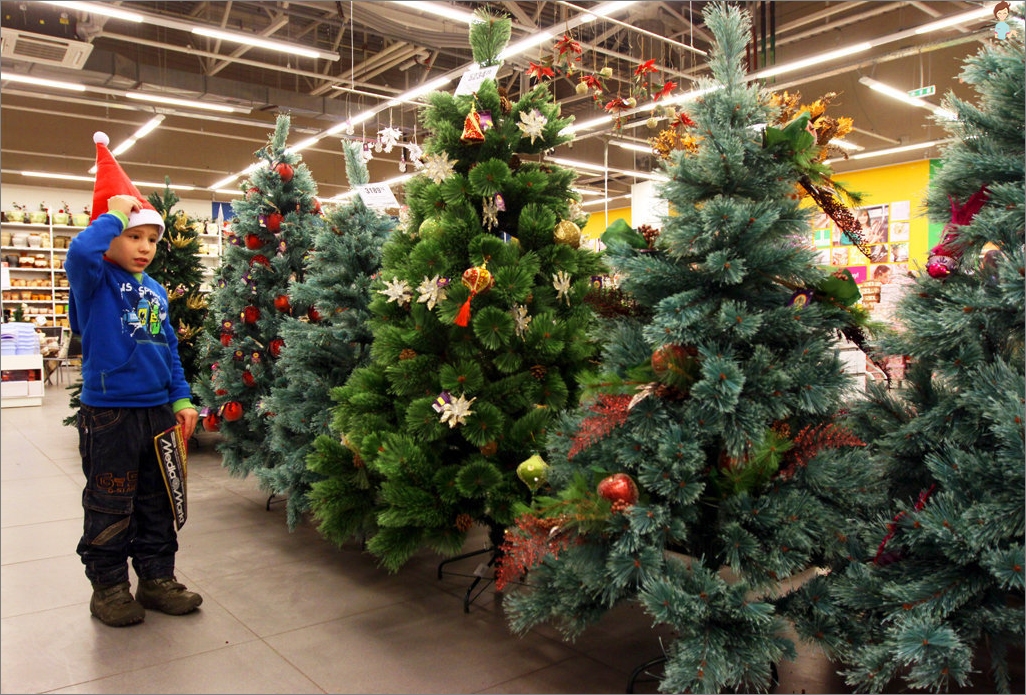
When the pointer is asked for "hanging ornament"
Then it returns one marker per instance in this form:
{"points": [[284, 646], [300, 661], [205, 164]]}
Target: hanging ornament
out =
{"points": [[231, 411], [667, 87], [437, 167], [368, 152], [504, 101], [250, 314], [313, 314], [389, 137], [440, 401], [575, 210], [620, 489], [676, 365], [478, 279], [431, 228], [226, 339], [285, 171], [533, 472], [561, 281], [211, 422], [489, 213], [252, 193], [274, 221], [402, 160], [275, 347], [416, 153], [606, 71], [260, 259], [486, 121], [540, 72], [248, 379], [472, 133], [432, 291], [457, 410], [532, 123], [568, 233], [521, 320], [582, 87], [281, 303], [397, 291], [944, 257], [253, 242]]}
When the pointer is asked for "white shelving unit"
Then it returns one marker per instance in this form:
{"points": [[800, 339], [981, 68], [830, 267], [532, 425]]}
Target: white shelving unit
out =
{"points": [[34, 254], [21, 380], [211, 248]]}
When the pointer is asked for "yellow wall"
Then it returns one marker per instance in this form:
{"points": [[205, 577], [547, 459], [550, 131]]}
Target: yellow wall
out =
{"points": [[599, 220], [891, 190]]}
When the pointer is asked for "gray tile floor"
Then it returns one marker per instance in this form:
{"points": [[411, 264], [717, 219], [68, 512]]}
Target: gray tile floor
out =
{"points": [[282, 612]]}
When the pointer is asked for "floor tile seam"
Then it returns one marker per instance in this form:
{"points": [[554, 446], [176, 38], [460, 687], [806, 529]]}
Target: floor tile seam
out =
{"points": [[59, 520], [538, 670]]}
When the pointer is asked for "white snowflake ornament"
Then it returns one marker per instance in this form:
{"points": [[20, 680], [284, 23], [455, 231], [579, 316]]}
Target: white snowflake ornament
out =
{"points": [[490, 212], [576, 211], [389, 137], [561, 281], [532, 123], [432, 291], [521, 320], [456, 411], [397, 291], [414, 153], [437, 167]]}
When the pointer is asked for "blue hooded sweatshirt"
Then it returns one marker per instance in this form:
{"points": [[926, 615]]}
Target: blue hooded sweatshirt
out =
{"points": [[129, 348]]}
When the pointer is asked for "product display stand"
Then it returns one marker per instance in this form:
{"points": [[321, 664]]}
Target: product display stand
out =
{"points": [[483, 572]]}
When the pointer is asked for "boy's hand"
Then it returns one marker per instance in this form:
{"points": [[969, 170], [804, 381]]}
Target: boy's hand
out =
{"points": [[187, 418], [125, 204]]}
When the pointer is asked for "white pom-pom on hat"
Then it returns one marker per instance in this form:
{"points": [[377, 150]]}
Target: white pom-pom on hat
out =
{"points": [[100, 138]]}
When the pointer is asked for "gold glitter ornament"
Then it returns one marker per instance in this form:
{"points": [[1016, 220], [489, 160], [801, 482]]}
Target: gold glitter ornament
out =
{"points": [[568, 233]]}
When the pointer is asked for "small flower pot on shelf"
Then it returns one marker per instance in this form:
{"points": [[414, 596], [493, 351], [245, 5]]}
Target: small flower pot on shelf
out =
{"points": [[61, 218], [37, 217], [15, 215], [80, 219]]}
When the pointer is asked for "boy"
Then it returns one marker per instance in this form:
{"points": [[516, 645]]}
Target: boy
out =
{"points": [[133, 388]]}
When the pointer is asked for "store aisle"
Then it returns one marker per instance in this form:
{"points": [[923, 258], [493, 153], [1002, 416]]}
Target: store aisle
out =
{"points": [[282, 612]]}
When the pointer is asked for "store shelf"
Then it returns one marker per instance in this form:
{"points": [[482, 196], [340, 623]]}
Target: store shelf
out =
{"points": [[21, 380], [35, 270]]}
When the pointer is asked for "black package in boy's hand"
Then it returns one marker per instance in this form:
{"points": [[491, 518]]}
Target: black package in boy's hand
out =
{"points": [[172, 454]]}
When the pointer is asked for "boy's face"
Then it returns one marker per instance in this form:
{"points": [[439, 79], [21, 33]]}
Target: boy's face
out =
{"points": [[134, 249]]}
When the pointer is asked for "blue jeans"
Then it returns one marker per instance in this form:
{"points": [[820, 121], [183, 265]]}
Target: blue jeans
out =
{"points": [[127, 509]]}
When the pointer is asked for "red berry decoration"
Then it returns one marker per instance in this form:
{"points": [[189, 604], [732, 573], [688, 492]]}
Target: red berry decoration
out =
{"points": [[281, 303], [618, 488], [248, 379], [275, 346], [274, 222], [226, 339], [250, 314], [212, 423], [253, 242], [232, 411], [285, 171]]}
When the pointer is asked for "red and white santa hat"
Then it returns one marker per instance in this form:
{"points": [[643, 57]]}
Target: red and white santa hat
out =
{"points": [[111, 180]]}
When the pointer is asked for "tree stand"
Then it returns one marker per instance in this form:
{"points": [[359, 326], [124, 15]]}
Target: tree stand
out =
{"points": [[652, 672], [482, 571], [271, 500]]}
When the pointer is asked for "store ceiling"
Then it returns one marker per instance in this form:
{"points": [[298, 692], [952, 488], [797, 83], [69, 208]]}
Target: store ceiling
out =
{"points": [[387, 48]]}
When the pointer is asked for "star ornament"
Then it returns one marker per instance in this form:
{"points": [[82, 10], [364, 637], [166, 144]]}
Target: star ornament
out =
{"points": [[521, 320], [532, 123], [457, 410], [561, 281], [432, 290], [437, 167], [490, 212], [397, 291]]}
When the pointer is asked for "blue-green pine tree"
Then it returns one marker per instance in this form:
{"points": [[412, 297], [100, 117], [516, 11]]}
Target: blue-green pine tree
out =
{"points": [[932, 597], [272, 234], [319, 356], [703, 472]]}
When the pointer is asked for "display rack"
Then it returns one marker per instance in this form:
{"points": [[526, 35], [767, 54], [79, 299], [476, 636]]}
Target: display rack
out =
{"points": [[211, 247], [34, 254], [21, 380]]}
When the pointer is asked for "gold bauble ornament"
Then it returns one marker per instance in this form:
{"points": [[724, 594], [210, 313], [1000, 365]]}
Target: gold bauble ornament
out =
{"points": [[568, 233]]}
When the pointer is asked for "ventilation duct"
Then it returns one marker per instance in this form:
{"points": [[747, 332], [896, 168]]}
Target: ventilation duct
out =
{"points": [[46, 50]]}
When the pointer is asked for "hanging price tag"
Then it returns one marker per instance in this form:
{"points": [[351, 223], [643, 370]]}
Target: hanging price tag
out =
{"points": [[472, 79], [377, 196]]}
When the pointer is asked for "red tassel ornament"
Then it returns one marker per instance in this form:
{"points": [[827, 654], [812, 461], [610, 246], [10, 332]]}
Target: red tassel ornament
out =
{"points": [[477, 279]]}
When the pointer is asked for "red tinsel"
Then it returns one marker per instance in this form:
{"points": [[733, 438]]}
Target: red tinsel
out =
{"points": [[611, 412], [525, 545], [883, 558], [811, 440]]}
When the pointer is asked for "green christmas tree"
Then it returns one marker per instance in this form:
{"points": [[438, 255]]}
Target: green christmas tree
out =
{"points": [[480, 331], [703, 470], [320, 355], [271, 237], [932, 597], [177, 266]]}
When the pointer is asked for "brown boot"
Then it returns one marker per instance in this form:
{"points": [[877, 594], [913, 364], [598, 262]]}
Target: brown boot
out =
{"points": [[167, 596], [114, 605]]}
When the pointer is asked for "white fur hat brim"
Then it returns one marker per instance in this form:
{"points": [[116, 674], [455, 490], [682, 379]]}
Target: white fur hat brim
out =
{"points": [[147, 216]]}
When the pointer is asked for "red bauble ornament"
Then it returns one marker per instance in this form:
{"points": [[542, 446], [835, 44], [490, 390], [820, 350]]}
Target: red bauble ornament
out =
{"points": [[275, 346], [253, 242], [316, 207], [285, 171], [252, 193], [250, 314], [226, 339], [261, 259], [618, 488], [274, 222], [313, 314], [248, 379], [281, 303], [220, 392], [676, 365], [212, 423], [232, 411]]}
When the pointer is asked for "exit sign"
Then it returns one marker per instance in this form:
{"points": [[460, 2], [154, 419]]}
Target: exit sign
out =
{"points": [[923, 91]]}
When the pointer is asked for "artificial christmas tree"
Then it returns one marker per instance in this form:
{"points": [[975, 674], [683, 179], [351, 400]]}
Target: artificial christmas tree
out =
{"points": [[177, 266], [271, 236], [479, 328], [317, 356], [703, 473], [932, 595]]}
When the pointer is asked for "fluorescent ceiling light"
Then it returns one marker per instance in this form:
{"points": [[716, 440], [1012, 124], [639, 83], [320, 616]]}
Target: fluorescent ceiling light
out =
{"points": [[598, 168], [970, 16], [147, 128], [607, 8], [845, 145], [607, 200], [439, 9], [195, 103], [421, 90], [89, 179], [526, 44], [107, 10], [305, 144], [224, 182], [636, 147], [894, 150], [904, 97], [40, 82], [814, 60], [228, 191], [259, 42]]}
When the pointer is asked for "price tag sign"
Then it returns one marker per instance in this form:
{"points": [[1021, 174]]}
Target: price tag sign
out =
{"points": [[377, 196], [472, 79]]}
